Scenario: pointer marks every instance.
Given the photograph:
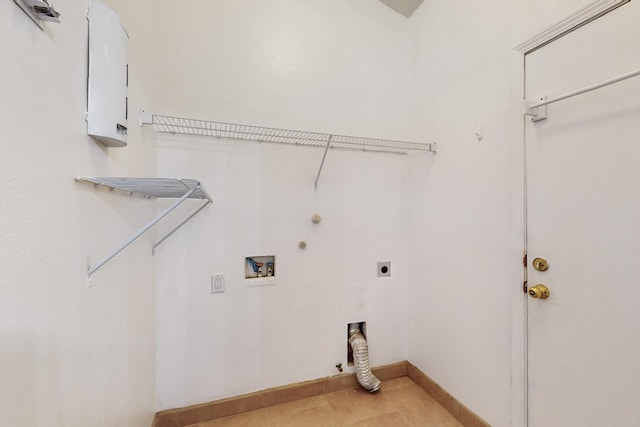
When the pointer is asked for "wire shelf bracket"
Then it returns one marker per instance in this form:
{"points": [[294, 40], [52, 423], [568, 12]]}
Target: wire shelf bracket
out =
{"points": [[150, 188], [185, 126]]}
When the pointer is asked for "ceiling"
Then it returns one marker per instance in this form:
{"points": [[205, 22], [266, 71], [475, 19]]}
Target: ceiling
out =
{"points": [[404, 7]]}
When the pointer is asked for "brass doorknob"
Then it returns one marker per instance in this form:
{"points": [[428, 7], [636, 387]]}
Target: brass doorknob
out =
{"points": [[540, 264], [539, 291]]}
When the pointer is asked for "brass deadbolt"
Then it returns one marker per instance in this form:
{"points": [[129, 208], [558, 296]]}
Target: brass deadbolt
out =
{"points": [[539, 291], [540, 264]]}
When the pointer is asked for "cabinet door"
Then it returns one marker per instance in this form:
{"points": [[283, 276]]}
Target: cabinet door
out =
{"points": [[108, 76]]}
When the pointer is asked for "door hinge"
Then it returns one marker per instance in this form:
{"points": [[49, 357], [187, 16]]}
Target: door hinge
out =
{"points": [[524, 286], [524, 261]]}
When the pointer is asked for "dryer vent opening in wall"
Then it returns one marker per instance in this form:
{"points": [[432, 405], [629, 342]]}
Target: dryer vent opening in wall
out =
{"points": [[363, 331]]}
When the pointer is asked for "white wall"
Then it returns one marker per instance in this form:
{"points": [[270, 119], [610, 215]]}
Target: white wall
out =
{"points": [[71, 355], [466, 245], [329, 66], [254, 337]]}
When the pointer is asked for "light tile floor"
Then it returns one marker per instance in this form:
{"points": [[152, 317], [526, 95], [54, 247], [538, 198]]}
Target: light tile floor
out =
{"points": [[399, 402]]}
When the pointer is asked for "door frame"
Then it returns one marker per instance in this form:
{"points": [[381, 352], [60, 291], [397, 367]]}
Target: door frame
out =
{"points": [[519, 339]]}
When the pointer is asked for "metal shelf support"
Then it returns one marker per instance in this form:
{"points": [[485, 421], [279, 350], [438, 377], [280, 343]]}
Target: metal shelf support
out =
{"points": [[150, 188], [166, 236], [324, 157]]}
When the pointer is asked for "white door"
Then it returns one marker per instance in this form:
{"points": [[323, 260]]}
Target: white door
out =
{"points": [[583, 217]]}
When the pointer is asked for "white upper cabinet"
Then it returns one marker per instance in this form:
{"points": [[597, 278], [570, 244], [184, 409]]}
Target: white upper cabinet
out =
{"points": [[107, 106]]}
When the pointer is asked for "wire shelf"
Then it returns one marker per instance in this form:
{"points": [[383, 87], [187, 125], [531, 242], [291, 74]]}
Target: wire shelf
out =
{"points": [[151, 188], [177, 125]]}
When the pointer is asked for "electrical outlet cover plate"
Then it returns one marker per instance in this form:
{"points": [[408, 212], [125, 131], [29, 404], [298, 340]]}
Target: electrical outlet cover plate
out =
{"points": [[217, 283], [384, 269]]}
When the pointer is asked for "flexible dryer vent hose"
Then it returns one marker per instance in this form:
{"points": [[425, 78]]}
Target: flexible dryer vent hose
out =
{"points": [[360, 349]]}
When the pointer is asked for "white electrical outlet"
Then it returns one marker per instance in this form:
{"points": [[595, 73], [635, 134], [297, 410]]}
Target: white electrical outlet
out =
{"points": [[217, 283]]}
